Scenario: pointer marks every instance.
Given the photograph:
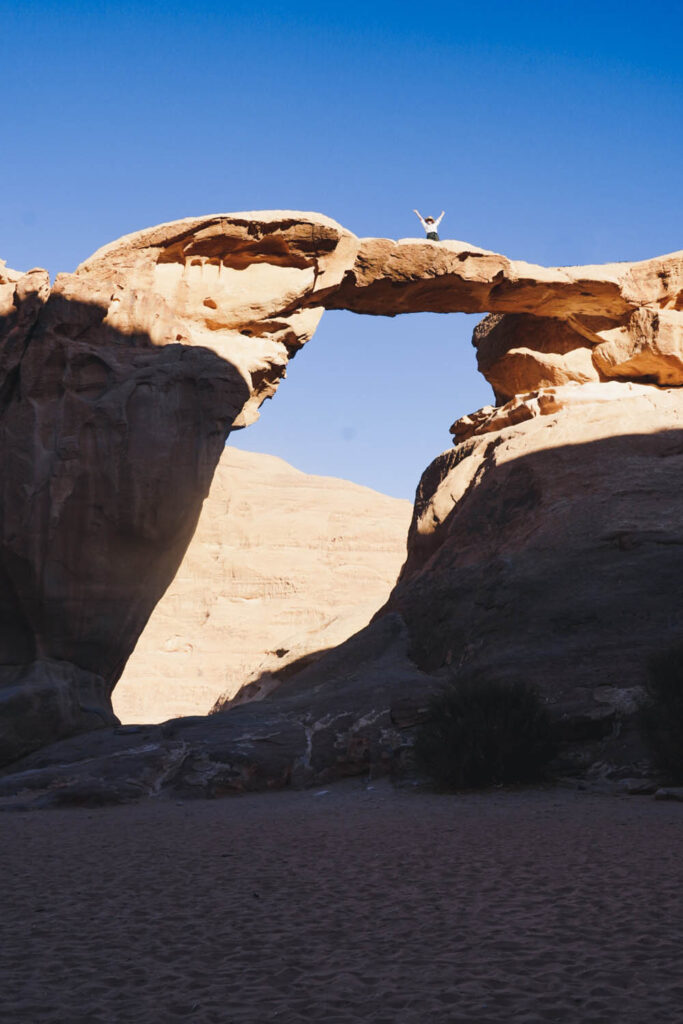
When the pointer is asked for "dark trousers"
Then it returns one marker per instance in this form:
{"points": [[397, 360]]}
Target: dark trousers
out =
{"points": [[433, 236]]}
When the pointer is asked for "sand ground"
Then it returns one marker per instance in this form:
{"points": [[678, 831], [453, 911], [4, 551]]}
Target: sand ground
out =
{"points": [[351, 905]]}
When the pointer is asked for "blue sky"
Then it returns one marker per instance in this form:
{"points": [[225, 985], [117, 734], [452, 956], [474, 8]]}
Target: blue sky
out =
{"points": [[548, 132]]}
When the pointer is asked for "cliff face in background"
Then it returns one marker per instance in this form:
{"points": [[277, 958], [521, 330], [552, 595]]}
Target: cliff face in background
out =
{"points": [[122, 382], [283, 565]]}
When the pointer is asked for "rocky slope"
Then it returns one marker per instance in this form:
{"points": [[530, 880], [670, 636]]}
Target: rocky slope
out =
{"points": [[122, 382], [283, 566]]}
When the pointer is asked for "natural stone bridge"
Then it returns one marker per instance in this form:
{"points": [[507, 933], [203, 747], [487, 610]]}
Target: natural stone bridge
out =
{"points": [[121, 383]]}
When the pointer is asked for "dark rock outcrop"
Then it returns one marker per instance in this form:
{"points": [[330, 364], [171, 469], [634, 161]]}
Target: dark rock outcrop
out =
{"points": [[551, 549], [352, 718]]}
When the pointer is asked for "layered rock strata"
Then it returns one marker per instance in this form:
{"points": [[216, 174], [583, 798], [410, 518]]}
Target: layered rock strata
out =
{"points": [[121, 385]]}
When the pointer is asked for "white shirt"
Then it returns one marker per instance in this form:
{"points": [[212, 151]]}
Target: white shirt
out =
{"points": [[429, 227]]}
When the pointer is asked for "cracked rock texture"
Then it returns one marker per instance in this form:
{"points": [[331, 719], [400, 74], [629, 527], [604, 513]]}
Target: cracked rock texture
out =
{"points": [[549, 533]]}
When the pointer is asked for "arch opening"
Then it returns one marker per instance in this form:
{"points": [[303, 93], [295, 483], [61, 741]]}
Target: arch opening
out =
{"points": [[370, 398]]}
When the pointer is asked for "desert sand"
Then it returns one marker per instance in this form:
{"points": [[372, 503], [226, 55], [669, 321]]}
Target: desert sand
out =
{"points": [[359, 903]]}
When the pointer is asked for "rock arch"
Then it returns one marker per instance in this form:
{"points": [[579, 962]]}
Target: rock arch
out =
{"points": [[122, 381]]}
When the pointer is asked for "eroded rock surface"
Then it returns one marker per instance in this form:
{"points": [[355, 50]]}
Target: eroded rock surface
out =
{"points": [[518, 353], [550, 548], [413, 276], [354, 716], [240, 285], [120, 386]]}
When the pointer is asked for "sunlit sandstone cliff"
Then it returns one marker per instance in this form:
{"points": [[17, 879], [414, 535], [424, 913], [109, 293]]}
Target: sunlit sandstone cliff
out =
{"points": [[122, 381], [282, 566]]}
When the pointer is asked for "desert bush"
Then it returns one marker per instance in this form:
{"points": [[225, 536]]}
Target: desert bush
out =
{"points": [[481, 732], [660, 716]]}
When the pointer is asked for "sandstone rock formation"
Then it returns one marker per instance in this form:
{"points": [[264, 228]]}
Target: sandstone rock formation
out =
{"points": [[518, 353], [236, 284], [283, 566], [619, 320], [354, 718], [121, 385], [551, 547], [117, 399], [108, 445]]}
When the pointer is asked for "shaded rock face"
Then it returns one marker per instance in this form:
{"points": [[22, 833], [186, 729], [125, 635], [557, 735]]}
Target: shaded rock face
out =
{"points": [[108, 445], [545, 545], [351, 716], [557, 532], [122, 382], [551, 550], [283, 566], [116, 401]]}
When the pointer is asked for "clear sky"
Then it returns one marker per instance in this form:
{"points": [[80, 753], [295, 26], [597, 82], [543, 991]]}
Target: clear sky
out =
{"points": [[549, 132]]}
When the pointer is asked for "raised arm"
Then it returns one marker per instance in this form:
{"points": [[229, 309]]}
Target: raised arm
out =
{"points": [[440, 218], [421, 219]]}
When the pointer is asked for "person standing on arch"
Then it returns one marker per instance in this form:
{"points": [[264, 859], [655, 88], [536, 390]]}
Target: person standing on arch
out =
{"points": [[430, 225]]}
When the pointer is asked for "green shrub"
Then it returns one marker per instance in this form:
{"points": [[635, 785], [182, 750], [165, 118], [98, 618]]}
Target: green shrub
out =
{"points": [[481, 732], [661, 712]]}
